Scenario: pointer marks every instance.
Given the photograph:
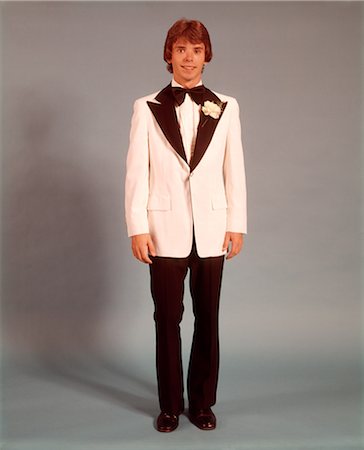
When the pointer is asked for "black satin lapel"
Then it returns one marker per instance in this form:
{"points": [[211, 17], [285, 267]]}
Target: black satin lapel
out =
{"points": [[206, 129], [165, 115]]}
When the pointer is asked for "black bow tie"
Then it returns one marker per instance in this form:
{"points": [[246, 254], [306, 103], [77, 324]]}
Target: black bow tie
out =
{"points": [[196, 94]]}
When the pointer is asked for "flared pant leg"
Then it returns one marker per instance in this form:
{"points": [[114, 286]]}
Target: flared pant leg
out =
{"points": [[167, 287], [205, 287]]}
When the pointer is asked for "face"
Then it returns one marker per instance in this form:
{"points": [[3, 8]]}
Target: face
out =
{"points": [[187, 61]]}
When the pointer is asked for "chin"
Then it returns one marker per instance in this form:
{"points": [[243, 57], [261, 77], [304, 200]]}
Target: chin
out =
{"points": [[190, 76]]}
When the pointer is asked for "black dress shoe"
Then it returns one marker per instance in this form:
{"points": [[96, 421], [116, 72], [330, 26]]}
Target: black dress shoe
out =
{"points": [[167, 422], [203, 418]]}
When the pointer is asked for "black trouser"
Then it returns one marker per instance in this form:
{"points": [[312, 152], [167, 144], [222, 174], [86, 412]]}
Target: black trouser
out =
{"points": [[167, 287]]}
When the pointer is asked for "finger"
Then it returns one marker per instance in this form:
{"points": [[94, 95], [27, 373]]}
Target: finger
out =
{"points": [[135, 251], [145, 257], [147, 260], [226, 242], [151, 247], [139, 253], [230, 255], [235, 249]]}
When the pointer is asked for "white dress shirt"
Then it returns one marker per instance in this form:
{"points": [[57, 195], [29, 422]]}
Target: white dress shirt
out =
{"points": [[188, 116]]}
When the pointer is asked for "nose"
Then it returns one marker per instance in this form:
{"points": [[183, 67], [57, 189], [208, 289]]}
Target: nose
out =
{"points": [[189, 55]]}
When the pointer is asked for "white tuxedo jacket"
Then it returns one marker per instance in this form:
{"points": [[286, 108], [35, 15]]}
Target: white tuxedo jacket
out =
{"points": [[167, 197]]}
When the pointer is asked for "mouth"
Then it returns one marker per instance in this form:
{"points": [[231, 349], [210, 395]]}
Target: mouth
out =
{"points": [[188, 67]]}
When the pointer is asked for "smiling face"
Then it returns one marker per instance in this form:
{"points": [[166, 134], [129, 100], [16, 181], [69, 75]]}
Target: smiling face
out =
{"points": [[187, 60]]}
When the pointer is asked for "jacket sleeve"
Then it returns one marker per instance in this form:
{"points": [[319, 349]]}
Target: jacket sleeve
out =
{"points": [[137, 172], [234, 175]]}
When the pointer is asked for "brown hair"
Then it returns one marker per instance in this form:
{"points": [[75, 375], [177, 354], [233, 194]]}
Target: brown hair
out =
{"points": [[191, 30]]}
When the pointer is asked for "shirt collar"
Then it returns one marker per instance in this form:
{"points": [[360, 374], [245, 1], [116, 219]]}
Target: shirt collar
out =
{"points": [[175, 84]]}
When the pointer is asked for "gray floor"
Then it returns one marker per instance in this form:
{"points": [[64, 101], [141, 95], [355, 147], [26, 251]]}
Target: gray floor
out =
{"points": [[104, 404]]}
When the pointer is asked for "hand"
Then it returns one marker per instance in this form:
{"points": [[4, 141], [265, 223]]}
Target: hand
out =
{"points": [[236, 240], [141, 245]]}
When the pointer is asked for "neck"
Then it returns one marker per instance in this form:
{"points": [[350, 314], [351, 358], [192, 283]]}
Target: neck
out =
{"points": [[188, 84]]}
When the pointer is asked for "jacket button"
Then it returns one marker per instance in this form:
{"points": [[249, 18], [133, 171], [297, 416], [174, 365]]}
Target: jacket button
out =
{"points": [[191, 174]]}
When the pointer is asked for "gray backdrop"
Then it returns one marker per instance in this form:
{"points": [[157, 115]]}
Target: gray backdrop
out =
{"points": [[77, 315]]}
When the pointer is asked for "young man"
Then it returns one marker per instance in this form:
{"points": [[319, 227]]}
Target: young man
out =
{"points": [[185, 201]]}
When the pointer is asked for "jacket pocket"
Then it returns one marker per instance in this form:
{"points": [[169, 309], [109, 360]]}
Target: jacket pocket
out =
{"points": [[159, 203], [219, 202]]}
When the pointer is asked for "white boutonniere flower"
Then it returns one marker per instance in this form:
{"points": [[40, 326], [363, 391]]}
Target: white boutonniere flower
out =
{"points": [[211, 109]]}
